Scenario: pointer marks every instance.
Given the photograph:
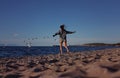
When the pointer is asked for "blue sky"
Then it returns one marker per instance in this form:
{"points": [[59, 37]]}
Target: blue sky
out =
{"points": [[38, 20]]}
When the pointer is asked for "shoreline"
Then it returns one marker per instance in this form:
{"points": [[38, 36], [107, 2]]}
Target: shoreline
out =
{"points": [[9, 52], [88, 64]]}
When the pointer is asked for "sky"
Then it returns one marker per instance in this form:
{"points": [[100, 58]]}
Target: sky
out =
{"points": [[35, 21]]}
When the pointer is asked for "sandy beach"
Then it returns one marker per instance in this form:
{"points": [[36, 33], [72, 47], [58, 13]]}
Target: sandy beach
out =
{"points": [[89, 64]]}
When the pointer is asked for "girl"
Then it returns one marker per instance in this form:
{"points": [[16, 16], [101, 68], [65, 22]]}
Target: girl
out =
{"points": [[62, 34]]}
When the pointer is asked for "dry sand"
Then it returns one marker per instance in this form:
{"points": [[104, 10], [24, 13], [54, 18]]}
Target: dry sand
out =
{"points": [[91, 64]]}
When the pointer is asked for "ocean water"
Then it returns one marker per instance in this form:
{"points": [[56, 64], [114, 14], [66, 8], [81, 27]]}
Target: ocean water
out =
{"points": [[18, 51]]}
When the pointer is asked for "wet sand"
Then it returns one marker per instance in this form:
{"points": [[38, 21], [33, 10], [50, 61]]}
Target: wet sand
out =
{"points": [[91, 64]]}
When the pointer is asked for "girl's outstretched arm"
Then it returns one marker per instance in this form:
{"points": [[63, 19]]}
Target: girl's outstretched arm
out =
{"points": [[56, 34], [70, 32]]}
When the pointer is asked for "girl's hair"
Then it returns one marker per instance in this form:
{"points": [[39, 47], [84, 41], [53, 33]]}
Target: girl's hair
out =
{"points": [[62, 27]]}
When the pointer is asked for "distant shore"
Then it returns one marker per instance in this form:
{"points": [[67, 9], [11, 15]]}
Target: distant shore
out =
{"points": [[89, 64], [101, 44]]}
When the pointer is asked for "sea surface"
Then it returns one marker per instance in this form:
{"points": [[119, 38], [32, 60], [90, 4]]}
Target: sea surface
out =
{"points": [[18, 51]]}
